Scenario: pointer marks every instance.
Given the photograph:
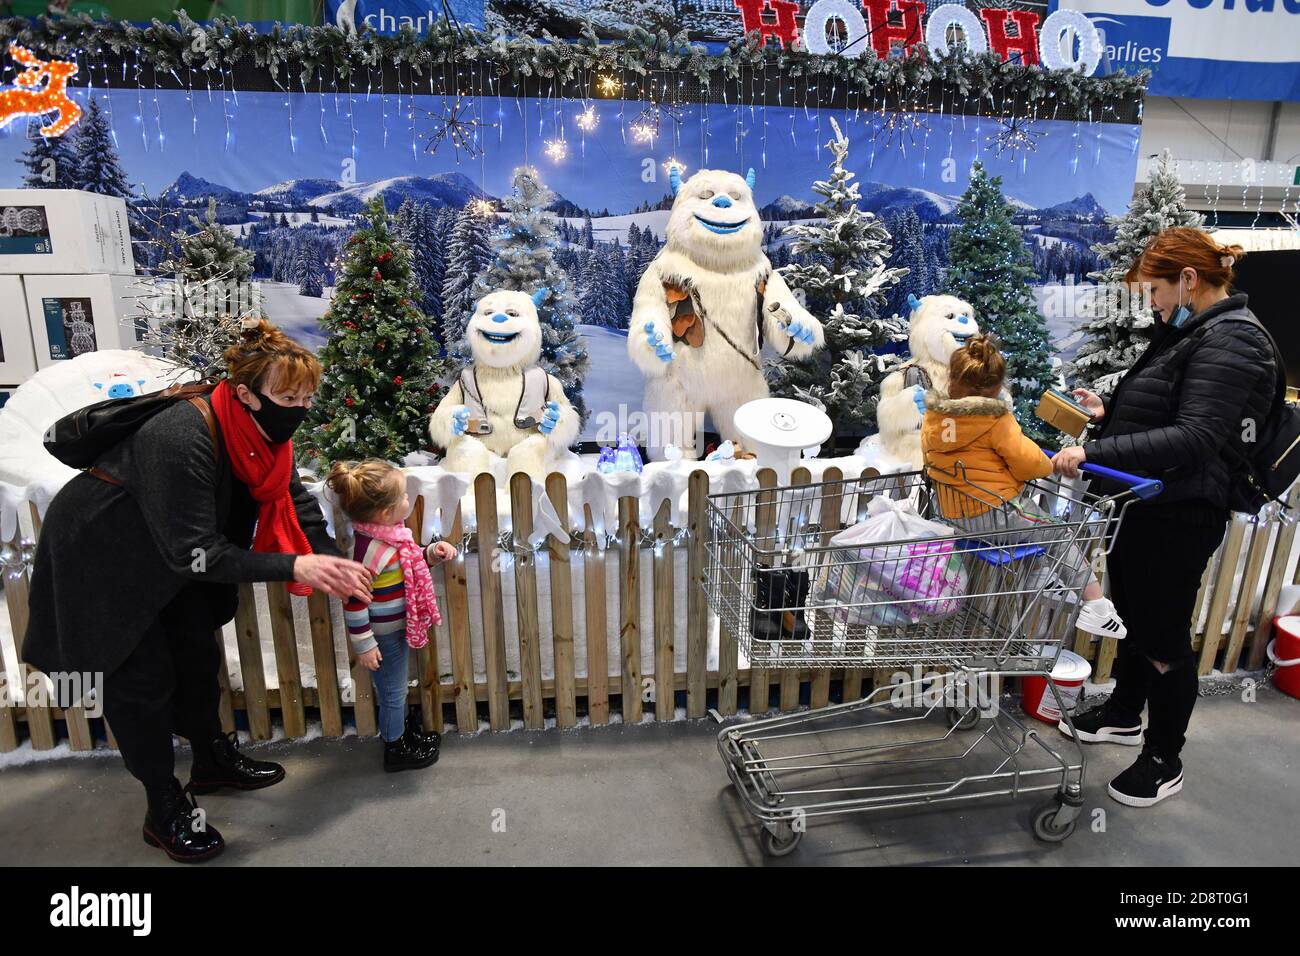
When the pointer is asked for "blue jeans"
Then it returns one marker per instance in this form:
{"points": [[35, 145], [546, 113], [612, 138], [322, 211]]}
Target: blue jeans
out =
{"points": [[391, 684]]}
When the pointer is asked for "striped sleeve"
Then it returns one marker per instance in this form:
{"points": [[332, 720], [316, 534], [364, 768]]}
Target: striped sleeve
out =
{"points": [[387, 609]]}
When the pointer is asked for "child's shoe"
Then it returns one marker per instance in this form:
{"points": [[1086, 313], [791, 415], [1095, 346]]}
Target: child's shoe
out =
{"points": [[430, 738], [407, 753], [1098, 616]]}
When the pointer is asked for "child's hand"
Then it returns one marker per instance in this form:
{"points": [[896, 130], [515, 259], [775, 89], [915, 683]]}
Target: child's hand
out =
{"points": [[440, 551], [370, 659]]}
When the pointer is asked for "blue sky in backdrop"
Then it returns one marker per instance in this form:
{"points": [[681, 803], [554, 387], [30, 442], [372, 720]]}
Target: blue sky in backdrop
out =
{"points": [[252, 140]]}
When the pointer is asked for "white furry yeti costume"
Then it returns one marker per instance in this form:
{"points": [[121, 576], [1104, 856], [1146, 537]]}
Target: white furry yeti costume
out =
{"points": [[527, 417], [937, 327], [695, 319]]}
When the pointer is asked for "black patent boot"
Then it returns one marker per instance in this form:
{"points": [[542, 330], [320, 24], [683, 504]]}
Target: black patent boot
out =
{"points": [[221, 764], [408, 753], [430, 738], [175, 825]]}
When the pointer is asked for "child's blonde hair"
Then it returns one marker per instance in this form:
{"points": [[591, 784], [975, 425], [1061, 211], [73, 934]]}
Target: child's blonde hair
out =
{"points": [[367, 488], [977, 368]]}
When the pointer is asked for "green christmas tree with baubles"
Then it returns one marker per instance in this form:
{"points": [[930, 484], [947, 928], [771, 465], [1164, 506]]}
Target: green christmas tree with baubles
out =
{"points": [[991, 269], [844, 282], [381, 365], [1117, 322], [525, 262]]}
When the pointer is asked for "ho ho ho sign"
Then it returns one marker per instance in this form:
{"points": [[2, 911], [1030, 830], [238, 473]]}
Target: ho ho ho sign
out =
{"points": [[1065, 39]]}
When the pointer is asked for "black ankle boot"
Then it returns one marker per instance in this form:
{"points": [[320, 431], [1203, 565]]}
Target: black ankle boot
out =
{"points": [[172, 825], [430, 738], [220, 764], [408, 753]]}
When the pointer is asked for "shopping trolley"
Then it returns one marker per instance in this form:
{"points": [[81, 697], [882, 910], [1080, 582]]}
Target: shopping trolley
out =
{"points": [[1007, 597]]}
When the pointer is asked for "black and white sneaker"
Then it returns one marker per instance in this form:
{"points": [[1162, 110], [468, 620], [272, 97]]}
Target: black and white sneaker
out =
{"points": [[1151, 779], [1103, 726], [1099, 616]]}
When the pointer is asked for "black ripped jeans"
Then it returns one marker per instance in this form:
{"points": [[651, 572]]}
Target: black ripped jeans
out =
{"points": [[1155, 566]]}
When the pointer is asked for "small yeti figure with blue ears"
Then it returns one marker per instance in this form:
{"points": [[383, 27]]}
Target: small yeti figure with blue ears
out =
{"points": [[504, 403]]}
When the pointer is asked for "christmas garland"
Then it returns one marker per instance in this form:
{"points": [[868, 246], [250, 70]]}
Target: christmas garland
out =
{"points": [[223, 43]]}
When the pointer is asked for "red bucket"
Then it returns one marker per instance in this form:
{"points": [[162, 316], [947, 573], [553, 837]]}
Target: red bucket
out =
{"points": [[1284, 651], [1068, 675]]}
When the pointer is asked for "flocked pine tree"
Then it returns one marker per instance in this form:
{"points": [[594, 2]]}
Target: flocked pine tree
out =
{"points": [[200, 296], [50, 161], [842, 274], [525, 262], [1116, 323], [98, 170], [469, 252], [991, 269], [416, 224], [381, 365]]}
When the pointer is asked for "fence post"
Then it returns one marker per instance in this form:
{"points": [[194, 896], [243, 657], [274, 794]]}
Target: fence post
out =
{"points": [[530, 637], [428, 686], [285, 642], [629, 606], [597, 623], [566, 712], [494, 637], [697, 606], [328, 698], [462, 655], [790, 676], [665, 676], [249, 640], [764, 526], [1231, 554], [1246, 596], [819, 690]]}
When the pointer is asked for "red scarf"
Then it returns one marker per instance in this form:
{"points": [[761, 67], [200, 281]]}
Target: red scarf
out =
{"points": [[266, 469]]}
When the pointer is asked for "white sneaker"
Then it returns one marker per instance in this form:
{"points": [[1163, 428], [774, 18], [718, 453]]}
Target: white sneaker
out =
{"points": [[1098, 616]]}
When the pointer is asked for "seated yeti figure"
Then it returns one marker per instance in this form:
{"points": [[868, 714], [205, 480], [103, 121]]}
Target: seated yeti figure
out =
{"points": [[504, 403], [938, 326], [703, 309]]}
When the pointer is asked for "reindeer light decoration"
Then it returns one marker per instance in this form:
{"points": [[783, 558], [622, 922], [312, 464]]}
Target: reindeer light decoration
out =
{"points": [[28, 98]]}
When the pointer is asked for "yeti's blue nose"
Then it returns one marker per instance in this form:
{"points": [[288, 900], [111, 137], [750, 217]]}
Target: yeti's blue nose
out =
{"points": [[500, 317], [962, 319], [722, 202]]}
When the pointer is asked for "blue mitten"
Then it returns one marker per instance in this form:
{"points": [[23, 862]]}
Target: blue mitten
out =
{"points": [[799, 332], [550, 418], [656, 341], [918, 396], [459, 421]]}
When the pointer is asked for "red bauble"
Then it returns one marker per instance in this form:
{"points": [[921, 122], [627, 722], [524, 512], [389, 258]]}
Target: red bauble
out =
{"points": [[348, 401], [397, 380]]}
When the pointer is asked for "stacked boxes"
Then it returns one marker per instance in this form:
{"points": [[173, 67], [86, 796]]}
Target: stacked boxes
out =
{"points": [[67, 281]]}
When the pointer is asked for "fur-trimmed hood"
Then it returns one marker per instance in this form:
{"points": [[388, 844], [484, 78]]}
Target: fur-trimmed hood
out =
{"points": [[971, 405]]}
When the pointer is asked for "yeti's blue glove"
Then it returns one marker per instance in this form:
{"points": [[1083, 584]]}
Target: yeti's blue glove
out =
{"points": [[799, 332], [918, 396], [550, 418], [656, 341], [459, 421]]}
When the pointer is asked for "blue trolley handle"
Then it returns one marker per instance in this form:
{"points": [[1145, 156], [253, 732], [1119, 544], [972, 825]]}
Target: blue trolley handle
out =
{"points": [[1142, 487]]}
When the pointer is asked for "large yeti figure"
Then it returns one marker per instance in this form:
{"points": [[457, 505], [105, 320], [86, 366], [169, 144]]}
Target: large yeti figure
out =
{"points": [[703, 309], [937, 327], [504, 403]]}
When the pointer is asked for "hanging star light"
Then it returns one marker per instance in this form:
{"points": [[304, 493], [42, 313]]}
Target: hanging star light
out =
{"points": [[28, 98], [673, 161], [647, 125], [588, 119], [901, 128], [1017, 133], [556, 150], [607, 85], [454, 126], [482, 207]]}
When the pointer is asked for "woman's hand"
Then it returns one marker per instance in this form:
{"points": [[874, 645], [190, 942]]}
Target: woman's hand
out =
{"points": [[335, 576], [440, 551], [370, 659], [1067, 461], [1091, 402]]}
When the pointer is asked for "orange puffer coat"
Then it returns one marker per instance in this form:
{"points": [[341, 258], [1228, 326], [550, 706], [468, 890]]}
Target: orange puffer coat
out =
{"points": [[975, 444]]}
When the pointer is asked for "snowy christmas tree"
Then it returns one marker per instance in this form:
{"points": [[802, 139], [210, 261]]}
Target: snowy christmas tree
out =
{"points": [[200, 296], [843, 278], [1116, 322], [98, 170], [991, 269], [909, 253], [468, 253], [50, 161], [417, 225], [525, 262], [381, 364]]}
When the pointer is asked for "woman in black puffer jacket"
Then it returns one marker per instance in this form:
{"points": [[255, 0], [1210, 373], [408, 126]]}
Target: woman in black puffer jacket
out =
{"points": [[1182, 413]]}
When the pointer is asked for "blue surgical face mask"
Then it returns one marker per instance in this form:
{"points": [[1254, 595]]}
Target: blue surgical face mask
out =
{"points": [[1181, 314]]}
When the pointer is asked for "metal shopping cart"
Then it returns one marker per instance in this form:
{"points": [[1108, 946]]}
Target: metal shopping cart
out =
{"points": [[1008, 595]]}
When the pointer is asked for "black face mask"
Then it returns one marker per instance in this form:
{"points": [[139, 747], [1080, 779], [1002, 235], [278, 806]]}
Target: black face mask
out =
{"points": [[278, 421]]}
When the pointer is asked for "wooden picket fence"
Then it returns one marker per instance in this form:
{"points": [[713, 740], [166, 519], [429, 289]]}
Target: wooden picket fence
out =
{"points": [[1259, 548]]}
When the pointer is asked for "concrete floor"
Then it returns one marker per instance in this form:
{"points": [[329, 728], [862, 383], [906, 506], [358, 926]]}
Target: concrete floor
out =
{"points": [[656, 795]]}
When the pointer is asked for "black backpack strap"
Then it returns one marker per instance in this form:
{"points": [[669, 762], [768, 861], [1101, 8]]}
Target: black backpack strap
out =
{"points": [[1280, 365]]}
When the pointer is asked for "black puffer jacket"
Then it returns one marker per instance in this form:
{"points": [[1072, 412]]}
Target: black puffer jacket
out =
{"points": [[1178, 413]]}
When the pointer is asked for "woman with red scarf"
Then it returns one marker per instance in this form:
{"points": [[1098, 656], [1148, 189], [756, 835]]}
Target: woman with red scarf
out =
{"points": [[140, 558]]}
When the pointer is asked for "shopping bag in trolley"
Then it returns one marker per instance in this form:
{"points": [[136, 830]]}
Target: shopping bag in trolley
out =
{"points": [[874, 564]]}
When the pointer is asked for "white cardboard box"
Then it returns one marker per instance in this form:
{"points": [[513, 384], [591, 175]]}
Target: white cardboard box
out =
{"points": [[71, 315], [63, 231], [17, 353]]}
